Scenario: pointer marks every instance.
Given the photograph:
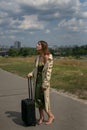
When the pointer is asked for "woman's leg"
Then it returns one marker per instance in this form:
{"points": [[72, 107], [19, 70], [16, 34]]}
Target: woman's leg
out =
{"points": [[50, 117], [41, 116]]}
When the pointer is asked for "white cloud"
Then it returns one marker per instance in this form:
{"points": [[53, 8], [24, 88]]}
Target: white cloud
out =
{"points": [[31, 32], [38, 3], [14, 23], [46, 4], [3, 14], [12, 37], [19, 17], [84, 14], [73, 24], [47, 31], [10, 6], [85, 4], [56, 15], [31, 21]]}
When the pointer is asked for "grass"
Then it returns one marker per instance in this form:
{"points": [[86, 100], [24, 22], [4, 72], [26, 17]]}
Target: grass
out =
{"points": [[68, 74], [20, 66]]}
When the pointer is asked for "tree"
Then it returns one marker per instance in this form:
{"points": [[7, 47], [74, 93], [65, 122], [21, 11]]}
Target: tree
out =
{"points": [[13, 52]]}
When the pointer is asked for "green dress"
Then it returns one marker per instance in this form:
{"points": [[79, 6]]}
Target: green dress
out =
{"points": [[39, 94]]}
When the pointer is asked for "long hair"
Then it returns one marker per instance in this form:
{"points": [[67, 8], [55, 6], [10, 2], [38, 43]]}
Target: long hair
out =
{"points": [[45, 48]]}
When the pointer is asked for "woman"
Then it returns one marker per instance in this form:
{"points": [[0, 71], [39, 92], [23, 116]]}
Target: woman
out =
{"points": [[41, 80]]}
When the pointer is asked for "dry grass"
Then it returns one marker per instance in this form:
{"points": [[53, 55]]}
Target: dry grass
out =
{"points": [[68, 74]]}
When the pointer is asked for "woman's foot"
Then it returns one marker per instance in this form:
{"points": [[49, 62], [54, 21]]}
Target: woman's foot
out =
{"points": [[50, 120], [40, 121]]}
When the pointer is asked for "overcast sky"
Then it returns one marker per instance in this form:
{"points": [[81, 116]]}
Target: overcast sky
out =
{"points": [[59, 22]]}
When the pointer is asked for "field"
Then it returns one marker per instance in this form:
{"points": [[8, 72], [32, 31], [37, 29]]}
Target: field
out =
{"points": [[68, 75]]}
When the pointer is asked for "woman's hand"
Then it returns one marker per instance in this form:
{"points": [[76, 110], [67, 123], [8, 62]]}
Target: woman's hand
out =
{"points": [[43, 88], [29, 75]]}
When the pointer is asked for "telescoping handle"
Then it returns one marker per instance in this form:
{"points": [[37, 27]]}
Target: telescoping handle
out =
{"points": [[30, 88]]}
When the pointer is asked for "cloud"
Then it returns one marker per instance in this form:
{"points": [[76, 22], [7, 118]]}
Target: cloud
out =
{"points": [[52, 20], [31, 22], [72, 24], [47, 31], [9, 5]]}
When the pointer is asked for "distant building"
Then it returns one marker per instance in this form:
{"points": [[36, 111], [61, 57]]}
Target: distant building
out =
{"points": [[4, 53], [17, 44]]}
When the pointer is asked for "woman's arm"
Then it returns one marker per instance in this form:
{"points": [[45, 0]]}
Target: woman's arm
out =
{"points": [[47, 73]]}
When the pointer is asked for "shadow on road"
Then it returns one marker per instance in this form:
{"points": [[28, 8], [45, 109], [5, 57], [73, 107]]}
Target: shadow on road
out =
{"points": [[16, 117]]}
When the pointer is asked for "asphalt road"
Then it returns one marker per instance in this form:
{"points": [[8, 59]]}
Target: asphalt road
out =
{"points": [[70, 114]]}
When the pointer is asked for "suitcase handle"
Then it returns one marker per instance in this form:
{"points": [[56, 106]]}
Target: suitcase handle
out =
{"points": [[30, 88]]}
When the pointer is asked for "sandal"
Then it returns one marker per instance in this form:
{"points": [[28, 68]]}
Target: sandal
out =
{"points": [[40, 121], [50, 120]]}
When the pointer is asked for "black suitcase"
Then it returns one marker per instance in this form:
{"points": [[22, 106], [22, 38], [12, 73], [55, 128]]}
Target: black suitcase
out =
{"points": [[28, 107]]}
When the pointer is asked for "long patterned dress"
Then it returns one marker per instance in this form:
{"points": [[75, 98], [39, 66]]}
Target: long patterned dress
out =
{"points": [[39, 94]]}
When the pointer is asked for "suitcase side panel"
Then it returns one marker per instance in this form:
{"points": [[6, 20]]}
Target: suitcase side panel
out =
{"points": [[28, 111]]}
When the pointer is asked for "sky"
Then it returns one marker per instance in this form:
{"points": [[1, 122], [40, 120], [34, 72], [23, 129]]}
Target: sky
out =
{"points": [[58, 22]]}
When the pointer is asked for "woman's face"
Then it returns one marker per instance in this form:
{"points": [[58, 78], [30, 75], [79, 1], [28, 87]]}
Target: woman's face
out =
{"points": [[38, 46]]}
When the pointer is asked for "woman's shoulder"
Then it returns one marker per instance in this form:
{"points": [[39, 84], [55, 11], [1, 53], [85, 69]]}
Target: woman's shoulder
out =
{"points": [[49, 57]]}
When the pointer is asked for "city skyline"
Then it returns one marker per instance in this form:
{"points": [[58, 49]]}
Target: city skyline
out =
{"points": [[59, 22]]}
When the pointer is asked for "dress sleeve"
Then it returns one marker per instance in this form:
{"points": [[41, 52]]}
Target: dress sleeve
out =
{"points": [[47, 73]]}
